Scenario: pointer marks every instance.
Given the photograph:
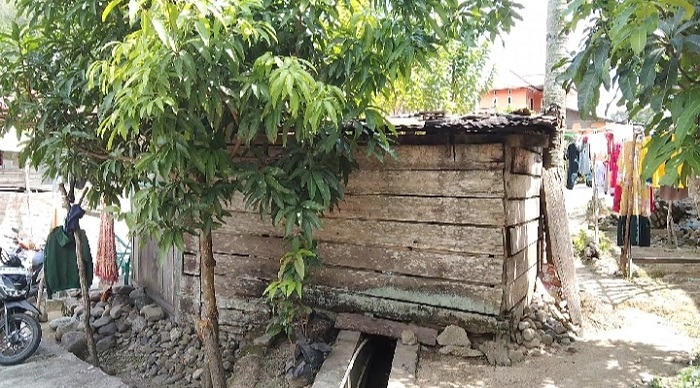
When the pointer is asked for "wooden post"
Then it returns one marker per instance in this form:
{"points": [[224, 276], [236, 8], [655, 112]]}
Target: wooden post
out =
{"points": [[594, 183], [625, 256]]}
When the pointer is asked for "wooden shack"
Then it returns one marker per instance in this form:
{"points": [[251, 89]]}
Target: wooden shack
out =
{"points": [[449, 232]]}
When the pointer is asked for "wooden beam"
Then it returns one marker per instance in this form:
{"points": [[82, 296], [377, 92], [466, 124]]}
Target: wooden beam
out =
{"points": [[384, 327]]}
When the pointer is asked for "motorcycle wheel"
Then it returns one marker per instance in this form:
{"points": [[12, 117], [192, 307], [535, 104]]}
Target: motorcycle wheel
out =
{"points": [[20, 341]]}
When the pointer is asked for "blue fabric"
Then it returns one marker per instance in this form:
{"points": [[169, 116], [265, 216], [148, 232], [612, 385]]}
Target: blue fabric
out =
{"points": [[73, 219]]}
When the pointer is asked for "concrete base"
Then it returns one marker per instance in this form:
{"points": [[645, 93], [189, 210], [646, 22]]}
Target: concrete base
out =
{"points": [[52, 367], [337, 363], [403, 368]]}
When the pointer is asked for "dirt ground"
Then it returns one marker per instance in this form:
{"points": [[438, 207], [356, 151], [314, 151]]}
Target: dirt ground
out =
{"points": [[634, 331]]}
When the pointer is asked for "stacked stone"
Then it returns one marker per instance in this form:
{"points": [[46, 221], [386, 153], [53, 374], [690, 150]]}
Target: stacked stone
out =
{"points": [[131, 327], [545, 325]]}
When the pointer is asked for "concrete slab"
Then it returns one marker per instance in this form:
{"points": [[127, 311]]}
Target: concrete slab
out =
{"points": [[336, 364], [403, 368], [53, 367]]}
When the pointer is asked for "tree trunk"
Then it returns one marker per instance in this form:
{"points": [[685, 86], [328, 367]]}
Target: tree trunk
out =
{"points": [[209, 323], [554, 93], [85, 291], [84, 286]]}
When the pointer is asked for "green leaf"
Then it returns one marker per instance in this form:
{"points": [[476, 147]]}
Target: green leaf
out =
{"points": [[299, 267], [110, 6], [162, 33], [638, 39]]}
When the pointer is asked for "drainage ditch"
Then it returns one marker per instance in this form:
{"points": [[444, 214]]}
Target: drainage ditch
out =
{"points": [[370, 366]]}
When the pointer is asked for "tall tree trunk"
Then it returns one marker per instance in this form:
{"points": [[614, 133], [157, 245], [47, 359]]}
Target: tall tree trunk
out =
{"points": [[209, 323], [84, 286], [554, 93], [85, 291]]}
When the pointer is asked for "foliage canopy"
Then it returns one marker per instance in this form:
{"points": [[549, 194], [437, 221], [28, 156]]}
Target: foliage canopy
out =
{"points": [[650, 49]]}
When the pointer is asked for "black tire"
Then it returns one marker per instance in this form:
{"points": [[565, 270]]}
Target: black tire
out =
{"points": [[27, 351]]}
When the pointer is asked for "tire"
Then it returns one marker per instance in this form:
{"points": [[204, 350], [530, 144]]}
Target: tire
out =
{"points": [[29, 349]]}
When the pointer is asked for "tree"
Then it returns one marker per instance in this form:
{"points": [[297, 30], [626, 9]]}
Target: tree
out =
{"points": [[43, 81], [554, 93], [453, 81], [651, 48], [188, 100]]}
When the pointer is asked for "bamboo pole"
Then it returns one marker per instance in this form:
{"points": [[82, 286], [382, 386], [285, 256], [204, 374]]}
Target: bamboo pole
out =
{"points": [[624, 263]]}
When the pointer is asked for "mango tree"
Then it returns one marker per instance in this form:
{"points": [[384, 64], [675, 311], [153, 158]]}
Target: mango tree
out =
{"points": [[43, 83]]}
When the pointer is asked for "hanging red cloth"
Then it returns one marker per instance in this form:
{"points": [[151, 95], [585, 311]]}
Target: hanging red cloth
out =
{"points": [[614, 155], [106, 268]]}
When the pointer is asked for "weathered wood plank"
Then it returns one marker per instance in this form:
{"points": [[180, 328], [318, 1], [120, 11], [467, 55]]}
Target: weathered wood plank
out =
{"points": [[339, 300], [526, 162], [476, 183], [521, 236], [460, 211], [559, 239], [188, 300], [520, 262], [522, 186], [529, 140], [190, 262], [522, 210], [248, 276], [383, 327], [437, 157], [519, 289], [432, 264], [390, 234]]}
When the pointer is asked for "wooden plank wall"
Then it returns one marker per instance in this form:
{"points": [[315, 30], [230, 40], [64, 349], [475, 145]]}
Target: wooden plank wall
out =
{"points": [[523, 178], [14, 178], [419, 238], [160, 278]]}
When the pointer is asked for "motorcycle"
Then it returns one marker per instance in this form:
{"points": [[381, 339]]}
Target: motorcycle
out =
{"points": [[20, 332]]}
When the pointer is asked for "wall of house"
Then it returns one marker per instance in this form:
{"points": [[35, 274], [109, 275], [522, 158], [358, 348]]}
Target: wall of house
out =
{"points": [[445, 234], [519, 97], [421, 238], [523, 231]]}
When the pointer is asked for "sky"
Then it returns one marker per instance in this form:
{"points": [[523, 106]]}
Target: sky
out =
{"points": [[523, 49]]}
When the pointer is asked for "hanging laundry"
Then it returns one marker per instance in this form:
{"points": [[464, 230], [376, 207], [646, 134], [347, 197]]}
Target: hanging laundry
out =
{"points": [[61, 263], [572, 155], [107, 251], [585, 165], [601, 172], [640, 226]]}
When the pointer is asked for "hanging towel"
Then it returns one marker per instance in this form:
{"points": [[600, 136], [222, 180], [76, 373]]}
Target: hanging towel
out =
{"points": [[61, 263], [107, 251]]}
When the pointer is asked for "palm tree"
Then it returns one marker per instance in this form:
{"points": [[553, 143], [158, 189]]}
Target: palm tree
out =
{"points": [[554, 93]]}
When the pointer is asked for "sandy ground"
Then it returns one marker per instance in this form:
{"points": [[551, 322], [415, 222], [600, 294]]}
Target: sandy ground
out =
{"points": [[634, 331]]}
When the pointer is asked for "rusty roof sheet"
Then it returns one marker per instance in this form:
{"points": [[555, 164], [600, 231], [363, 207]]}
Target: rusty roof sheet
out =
{"points": [[477, 124]]}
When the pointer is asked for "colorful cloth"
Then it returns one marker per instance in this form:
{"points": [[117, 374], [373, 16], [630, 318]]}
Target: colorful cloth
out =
{"points": [[61, 263], [106, 251]]}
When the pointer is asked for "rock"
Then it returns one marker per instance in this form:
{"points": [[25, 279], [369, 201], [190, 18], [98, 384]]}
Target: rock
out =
{"points": [[123, 289], [559, 328], [263, 340], [105, 344], [78, 310], [516, 356], [461, 351], [101, 322], [95, 295], [455, 336], [528, 335], [547, 339], [109, 329], [496, 352], [534, 343], [541, 316], [153, 312], [138, 324], [75, 342], [140, 298], [523, 325], [65, 328], [175, 334], [97, 312], [197, 374], [116, 311], [408, 337], [54, 324]]}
